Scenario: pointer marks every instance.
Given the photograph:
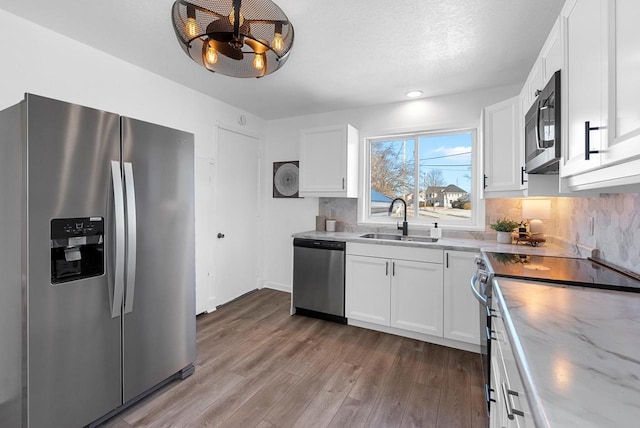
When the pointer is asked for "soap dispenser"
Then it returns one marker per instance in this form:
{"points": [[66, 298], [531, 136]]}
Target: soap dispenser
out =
{"points": [[435, 232]]}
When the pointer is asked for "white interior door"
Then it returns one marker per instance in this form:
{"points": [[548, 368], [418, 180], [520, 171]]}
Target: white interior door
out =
{"points": [[235, 227]]}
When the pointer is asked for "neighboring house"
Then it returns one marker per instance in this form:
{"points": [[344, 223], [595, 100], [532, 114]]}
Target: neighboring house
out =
{"points": [[444, 196], [379, 203]]}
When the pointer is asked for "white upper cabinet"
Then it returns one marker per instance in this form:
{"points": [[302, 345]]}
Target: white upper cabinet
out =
{"points": [[551, 57], [624, 82], [329, 162], [601, 88], [548, 62], [503, 132], [583, 88], [503, 149]]}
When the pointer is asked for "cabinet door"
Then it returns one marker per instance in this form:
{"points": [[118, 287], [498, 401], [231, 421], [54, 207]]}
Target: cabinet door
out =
{"points": [[416, 296], [551, 53], [503, 154], [535, 82], [497, 414], [461, 309], [624, 84], [583, 83], [367, 289], [329, 162]]}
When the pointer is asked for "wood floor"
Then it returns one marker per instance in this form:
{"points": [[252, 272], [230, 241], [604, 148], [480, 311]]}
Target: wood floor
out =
{"points": [[257, 366]]}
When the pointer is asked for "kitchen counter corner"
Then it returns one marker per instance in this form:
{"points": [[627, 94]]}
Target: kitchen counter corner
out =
{"points": [[577, 351]]}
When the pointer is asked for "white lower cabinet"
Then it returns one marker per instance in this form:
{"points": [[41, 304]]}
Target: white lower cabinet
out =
{"points": [[461, 309], [394, 286], [411, 291], [416, 296], [511, 408], [368, 287]]}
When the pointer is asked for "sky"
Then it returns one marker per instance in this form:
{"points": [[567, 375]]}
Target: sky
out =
{"points": [[449, 153]]}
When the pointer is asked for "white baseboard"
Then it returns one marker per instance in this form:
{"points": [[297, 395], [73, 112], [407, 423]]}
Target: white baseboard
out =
{"points": [[418, 336], [275, 286]]}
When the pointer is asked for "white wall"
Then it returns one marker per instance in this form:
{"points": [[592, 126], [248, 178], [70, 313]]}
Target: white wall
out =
{"points": [[42, 62], [287, 216]]}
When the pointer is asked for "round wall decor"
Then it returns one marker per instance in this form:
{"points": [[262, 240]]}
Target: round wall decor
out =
{"points": [[285, 179]]}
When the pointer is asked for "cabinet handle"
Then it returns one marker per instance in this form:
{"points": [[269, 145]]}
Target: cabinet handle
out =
{"points": [[393, 268], [511, 412], [491, 334], [484, 181], [491, 312], [386, 273], [522, 171], [587, 139], [447, 261], [487, 393], [342, 183]]}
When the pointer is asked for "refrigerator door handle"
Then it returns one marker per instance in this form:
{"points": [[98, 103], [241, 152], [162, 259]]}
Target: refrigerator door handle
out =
{"points": [[118, 206], [131, 237]]}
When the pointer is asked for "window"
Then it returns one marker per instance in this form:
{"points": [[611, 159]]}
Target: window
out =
{"points": [[434, 172]]}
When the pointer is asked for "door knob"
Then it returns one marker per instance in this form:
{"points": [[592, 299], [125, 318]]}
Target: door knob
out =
{"points": [[220, 235]]}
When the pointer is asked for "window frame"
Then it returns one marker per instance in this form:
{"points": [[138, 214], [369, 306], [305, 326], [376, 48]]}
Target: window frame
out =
{"points": [[477, 219]]}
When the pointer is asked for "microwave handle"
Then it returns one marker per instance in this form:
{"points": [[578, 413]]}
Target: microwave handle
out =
{"points": [[538, 139], [539, 143]]}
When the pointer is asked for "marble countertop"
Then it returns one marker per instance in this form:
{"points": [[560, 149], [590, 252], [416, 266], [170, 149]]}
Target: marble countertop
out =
{"points": [[578, 352], [444, 243]]}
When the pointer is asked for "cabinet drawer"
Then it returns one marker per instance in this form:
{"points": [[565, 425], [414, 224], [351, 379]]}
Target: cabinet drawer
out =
{"points": [[429, 255], [510, 385]]}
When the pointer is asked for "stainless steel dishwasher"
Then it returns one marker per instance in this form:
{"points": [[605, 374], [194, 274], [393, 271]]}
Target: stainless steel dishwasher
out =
{"points": [[318, 278]]}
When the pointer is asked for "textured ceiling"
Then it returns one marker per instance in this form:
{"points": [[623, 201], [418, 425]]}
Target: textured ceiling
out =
{"points": [[347, 53]]}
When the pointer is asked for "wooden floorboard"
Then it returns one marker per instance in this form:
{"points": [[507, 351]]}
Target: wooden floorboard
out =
{"points": [[257, 366]]}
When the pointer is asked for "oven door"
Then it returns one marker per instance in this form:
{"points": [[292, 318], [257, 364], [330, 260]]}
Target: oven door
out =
{"points": [[482, 291]]}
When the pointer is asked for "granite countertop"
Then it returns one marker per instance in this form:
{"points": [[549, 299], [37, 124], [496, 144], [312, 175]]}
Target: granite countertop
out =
{"points": [[577, 350], [445, 243]]}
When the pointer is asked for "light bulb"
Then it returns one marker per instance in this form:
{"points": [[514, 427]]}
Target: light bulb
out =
{"points": [[232, 17], [192, 27], [277, 43], [258, 62], [211, 57]]}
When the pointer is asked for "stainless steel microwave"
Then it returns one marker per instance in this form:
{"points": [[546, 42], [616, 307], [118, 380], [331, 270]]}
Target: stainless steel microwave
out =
{"points": [[542, 130]]}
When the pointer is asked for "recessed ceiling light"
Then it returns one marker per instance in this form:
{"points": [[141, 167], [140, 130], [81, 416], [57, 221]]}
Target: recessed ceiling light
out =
{"points": [[413, 94]]}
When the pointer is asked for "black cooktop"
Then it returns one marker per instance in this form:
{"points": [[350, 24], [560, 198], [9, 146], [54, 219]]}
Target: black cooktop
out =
{"points": [[564, 270]]}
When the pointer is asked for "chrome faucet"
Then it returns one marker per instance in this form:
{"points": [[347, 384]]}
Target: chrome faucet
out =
{"points": [[405, 225]]}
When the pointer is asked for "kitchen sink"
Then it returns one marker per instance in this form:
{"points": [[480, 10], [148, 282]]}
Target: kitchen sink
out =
{"points": [[391, 237]]}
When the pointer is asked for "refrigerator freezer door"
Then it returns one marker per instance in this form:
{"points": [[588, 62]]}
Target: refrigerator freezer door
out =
{"points": [[159, 333], [74, 346]]}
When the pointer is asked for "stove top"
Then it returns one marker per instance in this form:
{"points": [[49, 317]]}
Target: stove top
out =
{"points": [[564, 270]]}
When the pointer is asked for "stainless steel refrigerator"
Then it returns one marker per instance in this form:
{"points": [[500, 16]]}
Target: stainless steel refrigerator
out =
{"points": [[97, 283]]}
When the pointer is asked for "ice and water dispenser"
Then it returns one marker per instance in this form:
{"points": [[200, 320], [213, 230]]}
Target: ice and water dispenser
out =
{"points": [[77, 248]]}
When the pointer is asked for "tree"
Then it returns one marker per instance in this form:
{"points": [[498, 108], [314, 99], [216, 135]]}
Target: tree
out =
{"points": [[433, 178], [390, 175]]}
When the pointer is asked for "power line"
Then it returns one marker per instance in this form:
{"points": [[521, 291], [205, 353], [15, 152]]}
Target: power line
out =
{"points": [[446, 165], [447, 156]]}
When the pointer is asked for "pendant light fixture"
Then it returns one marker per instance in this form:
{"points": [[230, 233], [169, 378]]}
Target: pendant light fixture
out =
{"points": [[238, 38]]}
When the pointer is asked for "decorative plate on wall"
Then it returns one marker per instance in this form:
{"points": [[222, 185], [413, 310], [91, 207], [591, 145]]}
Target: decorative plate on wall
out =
{"points": [[285, 179]]}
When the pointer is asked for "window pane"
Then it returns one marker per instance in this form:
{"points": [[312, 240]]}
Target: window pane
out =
{"points": [[445, 176], [392, 176]]}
